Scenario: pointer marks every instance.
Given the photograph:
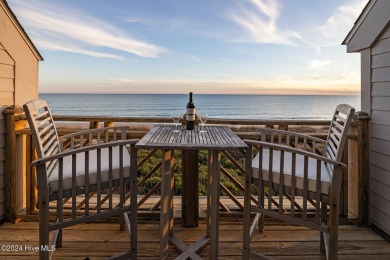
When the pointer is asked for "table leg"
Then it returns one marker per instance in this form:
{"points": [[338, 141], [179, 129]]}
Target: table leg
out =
{"points": [[190, 188], [214, 185], [165, 211]]}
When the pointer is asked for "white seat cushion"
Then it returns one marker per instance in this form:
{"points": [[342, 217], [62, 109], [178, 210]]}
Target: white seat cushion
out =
{"points": [[80, 168], [312, 171]]}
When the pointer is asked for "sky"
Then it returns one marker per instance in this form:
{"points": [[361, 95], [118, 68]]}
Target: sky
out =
{"points": [[205, 46]]}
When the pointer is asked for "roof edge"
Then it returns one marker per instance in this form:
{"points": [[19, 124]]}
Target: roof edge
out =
{"points": [[359, 21], [19, 27]]}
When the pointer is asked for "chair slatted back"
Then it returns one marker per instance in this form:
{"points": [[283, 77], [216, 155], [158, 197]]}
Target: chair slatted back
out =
{"points": [[43, 130], [338, 132]]}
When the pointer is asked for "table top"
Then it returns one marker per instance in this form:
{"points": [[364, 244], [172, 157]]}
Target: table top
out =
{"points": [[216, 137]]}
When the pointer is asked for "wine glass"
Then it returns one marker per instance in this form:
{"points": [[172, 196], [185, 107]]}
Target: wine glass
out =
{"points": [[176, 119], [203, 119]]}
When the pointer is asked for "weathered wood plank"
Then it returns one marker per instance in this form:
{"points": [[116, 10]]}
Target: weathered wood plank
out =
{"points": [[101, 240], [380, 160], [5, 58], [380, 174], [217, 136], [381, 89], [381, 146], [381, 74], [7, 71], [7, 85], [381, 60], [2, 140], [385, 35], [380, 219], [381, 46], [380, 117], [2, 208], [379, 187], [1, 181], [380, 131], [381, 103]]}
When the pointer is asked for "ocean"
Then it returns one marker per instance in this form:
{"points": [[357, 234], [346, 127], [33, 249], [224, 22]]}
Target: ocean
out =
{"points": [[216, 106]]}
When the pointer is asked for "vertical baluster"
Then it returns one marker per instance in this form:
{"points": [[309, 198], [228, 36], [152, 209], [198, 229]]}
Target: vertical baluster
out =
{"points": [[318, 193], [281, 181], [74, 185], [60, 199], [110, 178], [305, 185], [260, 190], [270, 177], [293, 182], [98, 180], [86, 180]]}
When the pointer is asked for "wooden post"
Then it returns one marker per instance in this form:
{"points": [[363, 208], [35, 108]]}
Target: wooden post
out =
{"points": [[353, 172], [190, 188], [108, 124], [364, 167], [94, 124], [11, 185]]}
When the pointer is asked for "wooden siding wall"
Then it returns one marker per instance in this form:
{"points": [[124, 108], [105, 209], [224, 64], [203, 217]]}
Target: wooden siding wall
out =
{"points": [[380, 133], [7, 89]]}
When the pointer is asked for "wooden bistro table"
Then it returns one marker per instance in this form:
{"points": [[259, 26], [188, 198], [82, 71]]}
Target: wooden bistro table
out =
{"points": [[216, 138]]}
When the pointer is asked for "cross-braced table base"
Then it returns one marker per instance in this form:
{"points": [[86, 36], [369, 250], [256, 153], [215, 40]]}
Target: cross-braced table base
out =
{"points": [[166, 213]]}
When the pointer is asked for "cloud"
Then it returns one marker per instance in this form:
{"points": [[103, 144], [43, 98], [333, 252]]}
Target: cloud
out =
{"points": [[259, 19], [315, 64], [316, 84], [74, 31], [337, 26]]}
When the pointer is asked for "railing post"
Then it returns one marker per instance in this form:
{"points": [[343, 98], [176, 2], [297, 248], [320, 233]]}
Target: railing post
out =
{"points": [[94, 124], [351, 180], [363, 174], [14, 172]]}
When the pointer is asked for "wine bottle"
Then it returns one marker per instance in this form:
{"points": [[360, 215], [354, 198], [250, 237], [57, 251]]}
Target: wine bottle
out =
{"points": [[190, 114]]}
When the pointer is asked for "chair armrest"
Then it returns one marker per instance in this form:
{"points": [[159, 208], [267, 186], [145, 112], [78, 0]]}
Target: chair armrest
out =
{"points": [[93, 131], [82, 150], [102, 135], [276, 136], [296, 151]]}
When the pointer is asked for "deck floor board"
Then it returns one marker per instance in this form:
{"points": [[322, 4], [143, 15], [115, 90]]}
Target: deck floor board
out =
{"points": [[100, 240]]}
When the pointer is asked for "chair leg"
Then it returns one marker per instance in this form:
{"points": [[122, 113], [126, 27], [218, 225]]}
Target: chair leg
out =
{"points": [[43, 227], [59, 239], [121, 222], [324, 221], [333, 231], [261, 223]]}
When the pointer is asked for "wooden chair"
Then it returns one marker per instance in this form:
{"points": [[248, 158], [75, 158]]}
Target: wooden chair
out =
{"points": [[289, 169], [84, 163]]}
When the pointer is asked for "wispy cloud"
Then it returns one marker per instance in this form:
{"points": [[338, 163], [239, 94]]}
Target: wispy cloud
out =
{"points": [[315, 64], [336, 27], [73, 31], [259, 20]]}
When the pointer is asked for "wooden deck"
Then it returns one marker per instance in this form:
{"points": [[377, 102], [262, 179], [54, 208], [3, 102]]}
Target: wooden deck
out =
{"points": [[100, 240]]}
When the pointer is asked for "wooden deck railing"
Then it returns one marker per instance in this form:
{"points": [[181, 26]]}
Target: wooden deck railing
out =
{"points": [[20, 184]]}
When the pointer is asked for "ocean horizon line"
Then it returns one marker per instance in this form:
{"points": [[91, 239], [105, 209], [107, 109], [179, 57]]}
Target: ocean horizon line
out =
{"points": [[228, 94]]}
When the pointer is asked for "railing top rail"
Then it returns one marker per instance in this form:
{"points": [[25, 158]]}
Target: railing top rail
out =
{"points": [[229, 121]]}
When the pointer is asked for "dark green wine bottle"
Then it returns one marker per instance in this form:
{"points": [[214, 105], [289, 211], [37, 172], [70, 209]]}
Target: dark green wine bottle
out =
{"points": [[190, 114]]}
